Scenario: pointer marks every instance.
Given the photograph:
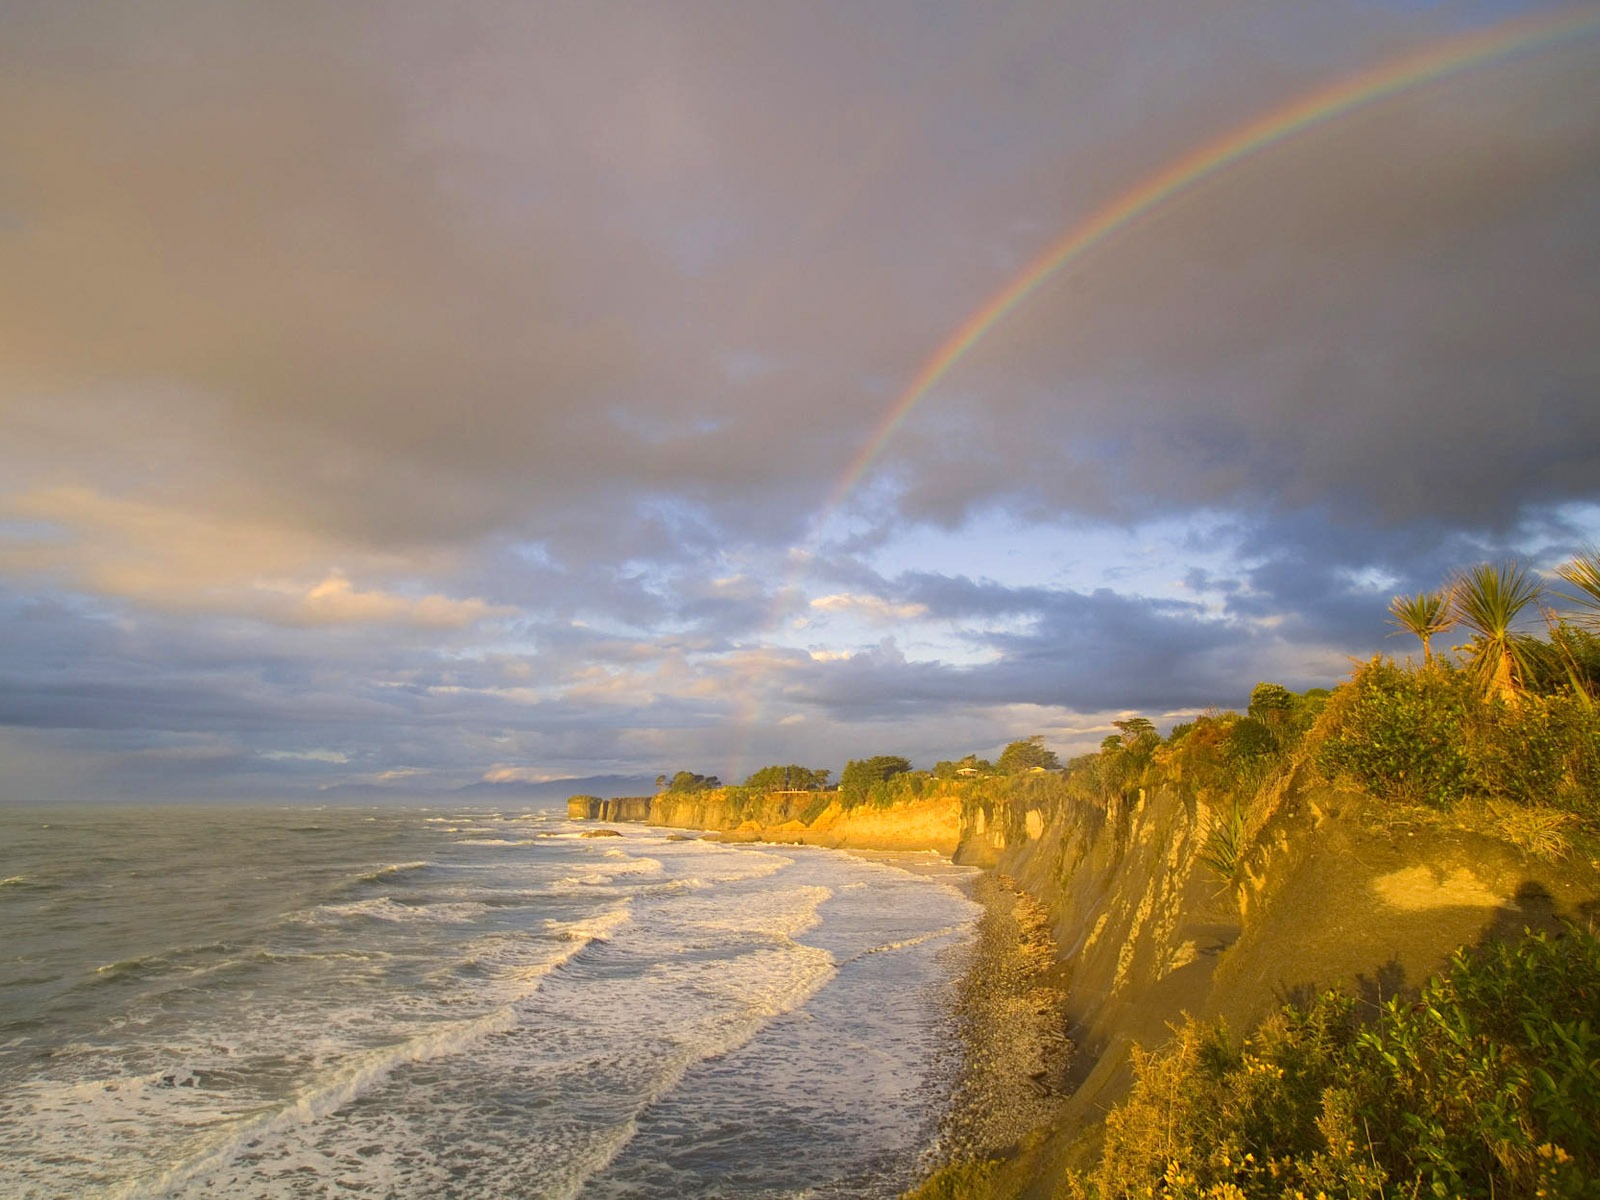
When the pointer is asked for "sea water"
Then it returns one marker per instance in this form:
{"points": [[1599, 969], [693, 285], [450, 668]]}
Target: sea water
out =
{"points": [[382, 1002]]}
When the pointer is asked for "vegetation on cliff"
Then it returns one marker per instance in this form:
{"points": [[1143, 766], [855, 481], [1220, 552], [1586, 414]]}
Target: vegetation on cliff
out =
{"points": [[790, 778], [687, 783], [868, 778], [1487, 1084]]}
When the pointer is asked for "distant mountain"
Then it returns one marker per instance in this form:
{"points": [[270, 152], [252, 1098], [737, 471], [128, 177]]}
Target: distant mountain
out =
{"points": [[605, 786], [549, 791]]}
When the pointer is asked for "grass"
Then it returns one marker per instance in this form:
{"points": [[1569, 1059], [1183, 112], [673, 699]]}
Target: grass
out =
{"points": [[1538, 831]]}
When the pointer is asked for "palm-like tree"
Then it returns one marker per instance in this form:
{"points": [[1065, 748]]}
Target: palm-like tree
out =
{"points": [[1424, 614], [1487, 599], [1583, 573]]}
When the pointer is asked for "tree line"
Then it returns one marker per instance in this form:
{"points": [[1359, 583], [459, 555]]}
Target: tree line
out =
{"points": [[860, 775]]}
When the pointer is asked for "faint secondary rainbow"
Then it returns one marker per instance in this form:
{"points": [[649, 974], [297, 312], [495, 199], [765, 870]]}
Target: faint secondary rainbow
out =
{"points": [[1476, 49]]}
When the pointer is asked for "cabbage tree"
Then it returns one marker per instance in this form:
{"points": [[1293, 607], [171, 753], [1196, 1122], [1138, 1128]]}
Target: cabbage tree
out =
{"points": [[1583, 573], [1488, 599], [1424, 614]]}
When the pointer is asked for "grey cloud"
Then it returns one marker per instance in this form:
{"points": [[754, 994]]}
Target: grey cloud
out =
{"points": [[422, 276], [1388, 318]]}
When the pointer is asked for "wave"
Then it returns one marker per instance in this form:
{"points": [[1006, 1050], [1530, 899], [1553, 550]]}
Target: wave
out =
{"points": [[392, 870], [960, 929], [161, 960], [779, 915], [596, 928], [482, 841], [616, 864], [299, 956], [793, 975], [362, 1071], [383, 908]]}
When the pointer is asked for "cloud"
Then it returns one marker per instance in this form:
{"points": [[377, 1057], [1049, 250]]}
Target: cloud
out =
{"points": [[336, 600], [180, 560], [456, 389], [873, 608], [1380, 319]]}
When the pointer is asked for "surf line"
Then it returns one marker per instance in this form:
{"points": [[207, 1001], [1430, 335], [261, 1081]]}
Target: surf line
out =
{"points": [[1520, 35]]}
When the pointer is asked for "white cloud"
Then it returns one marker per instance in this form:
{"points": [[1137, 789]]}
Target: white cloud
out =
{"points": [[322, 756], [873, 608], [174, 558]]}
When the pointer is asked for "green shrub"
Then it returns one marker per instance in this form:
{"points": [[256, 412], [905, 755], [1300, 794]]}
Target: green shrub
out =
{"points": [[1483, 1086], [862, 780], [1546, 750], [738, 802], [816, 806], [972, 1180], [1399, 734], [1426, 736]]}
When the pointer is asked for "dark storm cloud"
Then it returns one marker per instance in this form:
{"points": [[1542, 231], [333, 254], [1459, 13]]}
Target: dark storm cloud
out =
{"points": [[1390, 318], [958, 597]]}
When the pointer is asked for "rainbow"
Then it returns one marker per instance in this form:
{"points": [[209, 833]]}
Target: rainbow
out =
{"points": [[1327, 104]]}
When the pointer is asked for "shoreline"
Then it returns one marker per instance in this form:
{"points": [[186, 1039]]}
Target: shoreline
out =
{"points": [[1009, 1086], [1009, 1016], [1010, 1020]]}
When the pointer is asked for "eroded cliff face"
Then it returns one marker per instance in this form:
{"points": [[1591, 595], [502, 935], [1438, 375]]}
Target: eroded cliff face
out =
{"points": [[807, 818], [1331, 889], [593, 808]]}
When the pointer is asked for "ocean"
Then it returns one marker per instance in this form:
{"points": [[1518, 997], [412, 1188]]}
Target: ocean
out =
{"points": [[397, 1002]]}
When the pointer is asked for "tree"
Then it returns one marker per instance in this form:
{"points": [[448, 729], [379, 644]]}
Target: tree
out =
{"points": [[1269, 701], [1272, 705], [971, 763], [1424, 614], [1135, 729], [791, 778], [688, 781], [1026, 755], [860, 774], [1487, 599]]}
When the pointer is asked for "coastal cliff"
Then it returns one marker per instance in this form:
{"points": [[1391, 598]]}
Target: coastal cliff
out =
{"points": [[799, 818], [593, 808], [1330, 888], [1322, 886]]}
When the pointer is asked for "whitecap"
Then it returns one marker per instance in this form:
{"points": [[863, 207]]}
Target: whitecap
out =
{"points": [[391, 870]]}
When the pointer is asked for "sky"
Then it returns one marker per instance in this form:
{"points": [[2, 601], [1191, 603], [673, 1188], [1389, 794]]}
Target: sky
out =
{"points": [[409, 395]]}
